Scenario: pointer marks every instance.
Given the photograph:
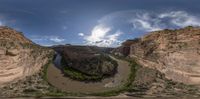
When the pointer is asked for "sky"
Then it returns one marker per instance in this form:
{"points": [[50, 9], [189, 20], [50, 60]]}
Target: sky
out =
{"points": [[95, 22]]}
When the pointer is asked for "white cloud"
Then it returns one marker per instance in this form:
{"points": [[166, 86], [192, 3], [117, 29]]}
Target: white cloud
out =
{"points": [[181, 18], [144, 24], [157, 21], [55, 39], [137, 21], [100, 36], [111, 39], [172, 14], [80, 34], [98, 33]]}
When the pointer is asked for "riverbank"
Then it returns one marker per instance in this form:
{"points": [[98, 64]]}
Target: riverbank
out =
{"points": [[57, 79]]}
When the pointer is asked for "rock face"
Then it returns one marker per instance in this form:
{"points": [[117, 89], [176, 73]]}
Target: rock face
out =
{"points": [[176, 53], [19, 57], [87, 59], [124, 49]]}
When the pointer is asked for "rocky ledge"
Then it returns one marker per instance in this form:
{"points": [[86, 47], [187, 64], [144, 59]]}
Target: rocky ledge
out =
{"points": [[19, 57], [176, 53]]}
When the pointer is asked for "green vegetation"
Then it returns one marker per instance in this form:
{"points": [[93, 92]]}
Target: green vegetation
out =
{"points": [[132, 75], [128, 86], [44, 76], [94, 73], [45, 67], [52, 91], [75, 74]]}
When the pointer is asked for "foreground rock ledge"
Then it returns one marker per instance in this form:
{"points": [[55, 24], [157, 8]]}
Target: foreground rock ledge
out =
{"points": [[176, 53], [19, 57]]}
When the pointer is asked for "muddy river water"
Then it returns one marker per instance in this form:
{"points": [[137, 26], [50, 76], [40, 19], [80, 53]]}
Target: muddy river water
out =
{"points": [[57, 79]]}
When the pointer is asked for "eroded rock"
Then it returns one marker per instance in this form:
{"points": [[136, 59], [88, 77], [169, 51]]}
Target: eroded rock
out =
{"points": [[173, 52], [19, 57]]}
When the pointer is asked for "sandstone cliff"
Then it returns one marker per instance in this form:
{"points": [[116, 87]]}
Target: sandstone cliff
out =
{"points": [[176, 53], [19, 57]]}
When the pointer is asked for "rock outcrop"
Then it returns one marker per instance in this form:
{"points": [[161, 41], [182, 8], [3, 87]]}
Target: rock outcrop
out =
{"points": [[176, 53], [19, 57], [89, 60], [124, 49]]}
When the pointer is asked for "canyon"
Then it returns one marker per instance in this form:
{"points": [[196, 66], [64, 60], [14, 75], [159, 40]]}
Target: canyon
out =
{"points": [[161, 63], [173, 52]]}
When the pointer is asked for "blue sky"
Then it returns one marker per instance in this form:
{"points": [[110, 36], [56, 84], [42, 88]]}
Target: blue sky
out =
{"points": [[95, 22]]}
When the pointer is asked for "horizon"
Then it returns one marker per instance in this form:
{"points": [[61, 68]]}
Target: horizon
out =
{"points": [[104, 23]]}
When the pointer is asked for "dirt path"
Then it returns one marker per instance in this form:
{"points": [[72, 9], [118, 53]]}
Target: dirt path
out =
{"points": [[57, 79]]}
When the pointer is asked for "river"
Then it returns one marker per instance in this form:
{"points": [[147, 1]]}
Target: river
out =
{"points": [[57, 79]]}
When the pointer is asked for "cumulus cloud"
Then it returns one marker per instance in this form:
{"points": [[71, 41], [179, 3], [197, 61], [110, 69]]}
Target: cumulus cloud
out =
{"points": [[101, 36], [136, 23], [98, 33], [81, 34]]}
